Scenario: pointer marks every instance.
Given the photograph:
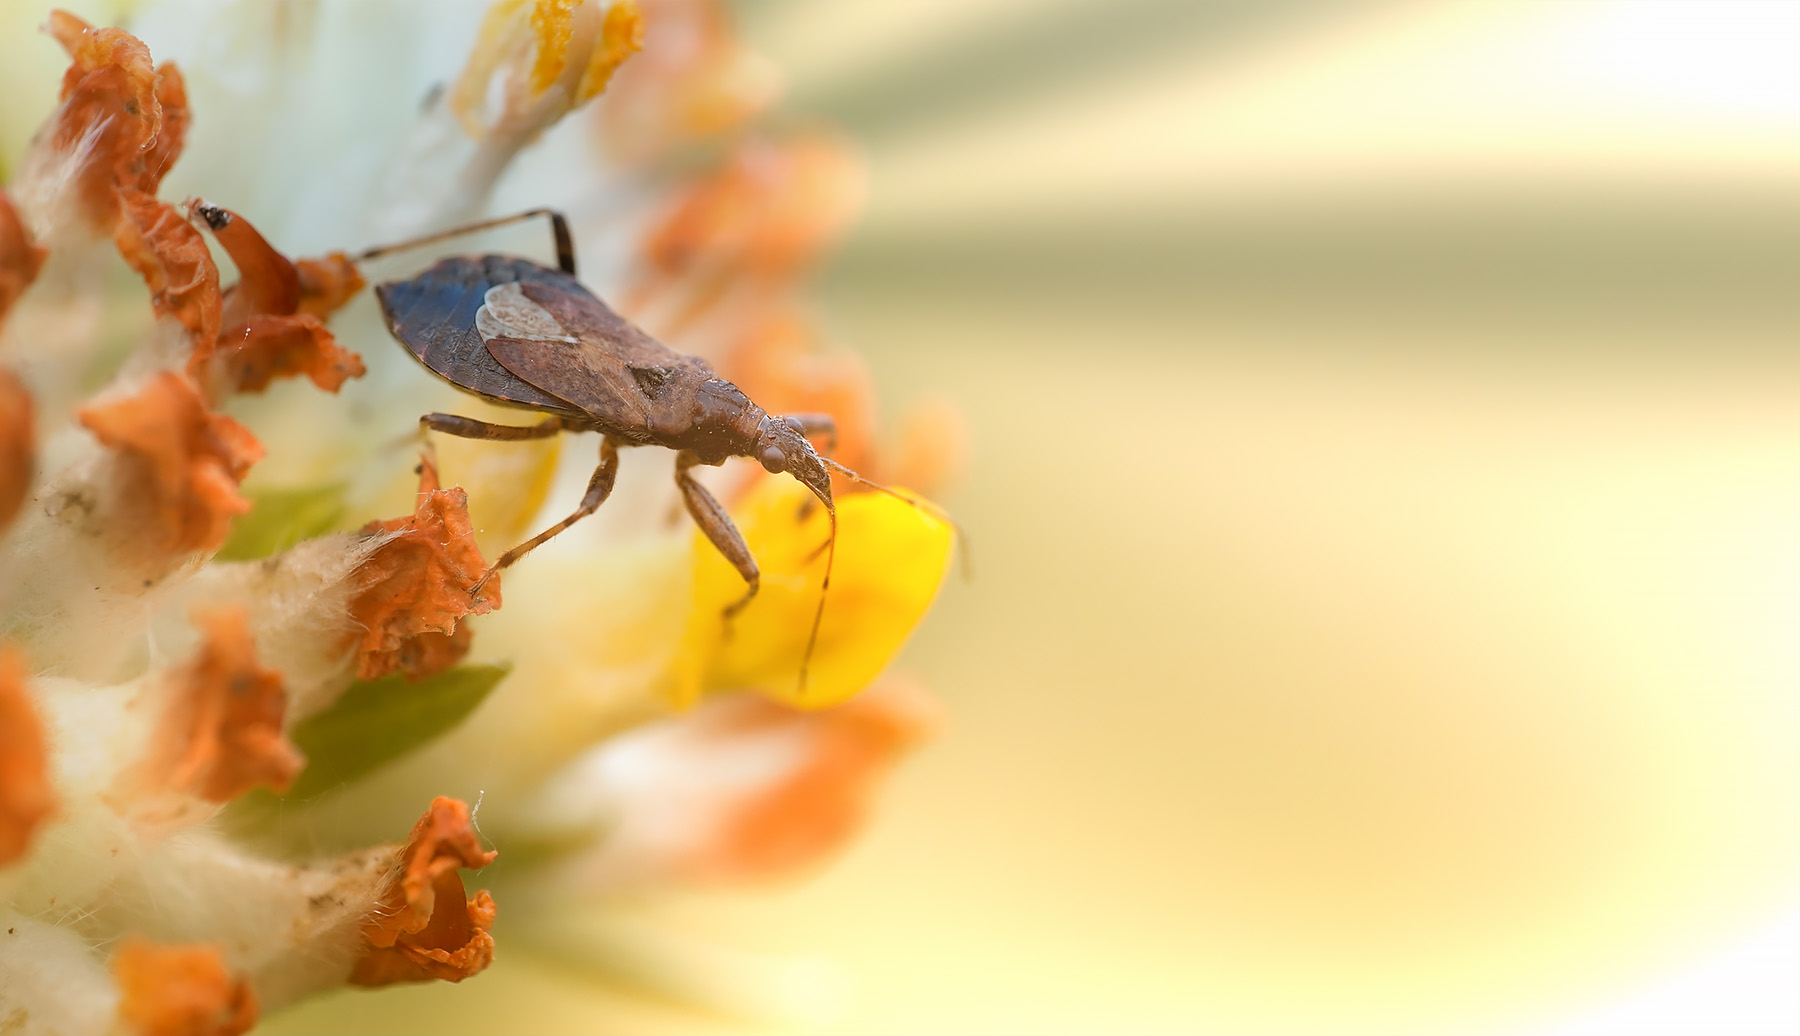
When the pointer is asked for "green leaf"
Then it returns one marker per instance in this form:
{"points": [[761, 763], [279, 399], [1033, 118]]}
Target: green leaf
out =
{"points": [[378, 721], [280, 518]]}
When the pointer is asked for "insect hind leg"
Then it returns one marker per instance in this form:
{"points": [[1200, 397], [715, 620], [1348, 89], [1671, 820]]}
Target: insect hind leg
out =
{"points": [[559, 229], [710, 515]]}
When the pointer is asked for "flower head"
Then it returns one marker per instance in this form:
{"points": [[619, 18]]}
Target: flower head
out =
{"points": [[247, 624]]}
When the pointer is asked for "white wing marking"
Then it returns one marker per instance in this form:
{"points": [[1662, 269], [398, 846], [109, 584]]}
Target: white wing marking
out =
{"points": [[506, 312]]}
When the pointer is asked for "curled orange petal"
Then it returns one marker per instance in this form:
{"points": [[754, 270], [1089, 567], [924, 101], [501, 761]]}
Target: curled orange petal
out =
{"points": [[20, 260], [221, 732], [180, 990], [177, 466], [172, 258], [18, 445], [112, 119], [423, 929], [274, 314], [267, 280], [25, 794], [417, 585]]}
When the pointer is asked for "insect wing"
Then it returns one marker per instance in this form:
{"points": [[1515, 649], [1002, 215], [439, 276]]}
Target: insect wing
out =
{"points": [[603, 364], [433, 315]]}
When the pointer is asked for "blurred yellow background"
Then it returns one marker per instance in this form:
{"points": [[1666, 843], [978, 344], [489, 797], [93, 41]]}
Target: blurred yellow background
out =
{"points": [[1386, 520]]}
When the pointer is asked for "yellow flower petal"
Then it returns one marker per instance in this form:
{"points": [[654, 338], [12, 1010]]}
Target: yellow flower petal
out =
{"points": [[891, 558]]}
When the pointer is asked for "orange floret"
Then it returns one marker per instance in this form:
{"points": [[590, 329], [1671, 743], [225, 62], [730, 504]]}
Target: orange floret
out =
{"points": [[114, 114], [25, 795], [933, 446], [180, 991], [821, 801], [18, 445], [418, 584], [779, 367], [221, 734], [691, 80], [768, 212], [423, 929], [274, 315], [178, 465], [20, 260], [175, 263]]}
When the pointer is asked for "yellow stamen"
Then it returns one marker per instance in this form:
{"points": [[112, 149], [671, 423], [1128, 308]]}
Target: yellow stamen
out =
{"points": [[621, 36], [553, 21]]}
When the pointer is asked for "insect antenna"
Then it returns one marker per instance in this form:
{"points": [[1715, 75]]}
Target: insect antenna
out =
{"points": [[812, 639], [962, 537], [559, 228]]}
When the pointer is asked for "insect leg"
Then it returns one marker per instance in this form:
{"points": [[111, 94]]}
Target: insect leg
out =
{"points": [[559, 228], [821, 425], [598, 489], [712, 519], [470, 428]]}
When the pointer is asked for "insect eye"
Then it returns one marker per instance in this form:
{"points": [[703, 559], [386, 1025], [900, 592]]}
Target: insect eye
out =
{"points": [[773, 459], [796, 424]]}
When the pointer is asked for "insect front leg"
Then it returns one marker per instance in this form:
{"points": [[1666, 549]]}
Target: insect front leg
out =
{"points": [[712, 519], [470, 428], [599, 487], [822, 426]]}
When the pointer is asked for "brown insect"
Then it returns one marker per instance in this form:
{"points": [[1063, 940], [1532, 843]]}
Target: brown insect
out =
{"points": [[527, 336]]}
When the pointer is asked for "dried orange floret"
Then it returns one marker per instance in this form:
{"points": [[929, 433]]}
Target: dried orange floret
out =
{"points": [[221, 734], [18, 445], [20, 260], [174, 261], [180, 990], [417, 585], [25, 794], [171, 93], [423, 929], [178, 465], [113, 115]]}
